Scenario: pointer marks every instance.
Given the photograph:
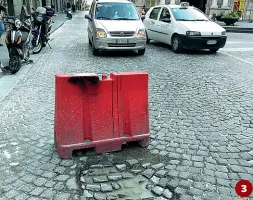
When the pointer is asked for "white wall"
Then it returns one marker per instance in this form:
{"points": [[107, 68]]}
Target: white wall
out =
{"points": [[17, 6], [89, 2], [248, 13]]}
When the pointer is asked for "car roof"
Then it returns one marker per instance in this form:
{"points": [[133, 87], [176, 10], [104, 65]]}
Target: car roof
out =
{"points": [[114, 1], [171, 6]]}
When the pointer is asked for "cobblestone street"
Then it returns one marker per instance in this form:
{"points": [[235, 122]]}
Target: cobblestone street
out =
{"points": [[201, 121]]}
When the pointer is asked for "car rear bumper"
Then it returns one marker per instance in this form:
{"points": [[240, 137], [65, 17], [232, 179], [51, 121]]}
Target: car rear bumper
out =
{"points": [[200, 42], [109, 44]]}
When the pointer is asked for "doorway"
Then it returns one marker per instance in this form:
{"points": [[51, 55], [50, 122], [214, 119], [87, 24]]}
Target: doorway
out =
{"points": [[44, 3], [200, 4], [11, 11]]}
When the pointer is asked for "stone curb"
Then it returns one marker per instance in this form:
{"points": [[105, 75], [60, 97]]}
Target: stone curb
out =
{"points": [[239, 30]]}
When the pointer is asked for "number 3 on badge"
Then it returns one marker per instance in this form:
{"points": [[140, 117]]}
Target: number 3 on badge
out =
{"points": [[243, 188]]}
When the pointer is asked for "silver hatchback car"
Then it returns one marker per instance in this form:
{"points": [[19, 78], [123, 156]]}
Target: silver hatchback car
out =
{"points": [[115, 25]]}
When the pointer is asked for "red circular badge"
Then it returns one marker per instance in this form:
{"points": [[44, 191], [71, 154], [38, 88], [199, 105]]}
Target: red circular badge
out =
{"points": [[243, 188]]}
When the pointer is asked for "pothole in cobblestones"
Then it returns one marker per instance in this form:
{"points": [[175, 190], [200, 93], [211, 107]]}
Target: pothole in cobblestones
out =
{"points": [[124, 181], [132, 174]]}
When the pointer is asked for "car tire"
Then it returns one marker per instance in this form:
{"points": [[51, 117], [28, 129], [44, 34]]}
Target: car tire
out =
{"points": [[213, 50], [176, 44], [141, 52], [94, 50]]}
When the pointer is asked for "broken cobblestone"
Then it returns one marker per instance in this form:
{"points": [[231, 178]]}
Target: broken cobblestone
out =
{"points": [[161, 173], [98, 196], [167, 194], [132, 162], [136, 171], [155, 179], [146, 165], [127, 175], [148, 173], [99, 166], [106, 187], [158, 166], [115, 177], [121, 167], [93, 187], [115, 186], [71, 184], [157, 190], [100, 179]]}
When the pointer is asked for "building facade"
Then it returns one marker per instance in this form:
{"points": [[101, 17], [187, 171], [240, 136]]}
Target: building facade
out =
{"points": [[209, 7], [14, 6]]}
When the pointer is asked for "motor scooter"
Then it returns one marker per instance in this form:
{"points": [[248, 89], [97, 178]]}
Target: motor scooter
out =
{"points": [[18, 41], [69, 15], [42, 25]]}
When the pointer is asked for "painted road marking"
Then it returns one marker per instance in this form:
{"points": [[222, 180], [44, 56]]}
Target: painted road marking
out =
{"points": [[235, 57], [236, 42], [237, 49]]}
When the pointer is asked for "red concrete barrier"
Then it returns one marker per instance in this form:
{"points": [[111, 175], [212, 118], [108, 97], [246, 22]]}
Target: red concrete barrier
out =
{"points": [[100, 113]]}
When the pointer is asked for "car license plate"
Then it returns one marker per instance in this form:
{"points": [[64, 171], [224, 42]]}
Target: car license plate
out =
{"points": [[122, 41], [211, 41]]}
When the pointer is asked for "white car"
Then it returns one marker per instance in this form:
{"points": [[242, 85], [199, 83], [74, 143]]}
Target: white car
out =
{"points": [[115, 25], [183, 27]]}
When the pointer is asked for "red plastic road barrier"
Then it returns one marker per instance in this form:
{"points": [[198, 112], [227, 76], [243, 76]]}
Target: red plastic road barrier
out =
{"points": [[100, 113]]}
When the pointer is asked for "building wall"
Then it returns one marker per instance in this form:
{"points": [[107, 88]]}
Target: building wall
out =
{"points": [[217, 6], [33, 4], [248, 12], [17, 6]]}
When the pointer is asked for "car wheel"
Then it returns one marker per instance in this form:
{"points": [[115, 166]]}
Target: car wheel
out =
{"points": [[213, 50], [94, 50], [176, 44], [141, 52]]}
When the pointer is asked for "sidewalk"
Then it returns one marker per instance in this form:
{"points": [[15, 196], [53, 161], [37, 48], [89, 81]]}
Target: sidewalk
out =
{"points": [[58, 22], [239, 27]]}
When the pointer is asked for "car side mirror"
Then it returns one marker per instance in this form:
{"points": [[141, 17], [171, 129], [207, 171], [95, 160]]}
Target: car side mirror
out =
{"points": [[142, 17], [167, 20], [88, 17]]}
